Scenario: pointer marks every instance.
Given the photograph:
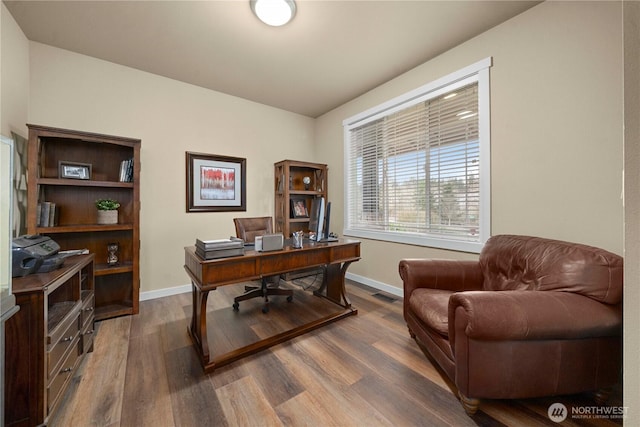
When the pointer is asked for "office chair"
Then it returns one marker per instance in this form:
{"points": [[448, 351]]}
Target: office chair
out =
{"points": [[247, 229]]}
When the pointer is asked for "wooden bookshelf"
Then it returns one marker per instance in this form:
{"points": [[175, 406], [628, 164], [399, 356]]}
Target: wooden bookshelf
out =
{"points": [[289, 185], [76, 227]]}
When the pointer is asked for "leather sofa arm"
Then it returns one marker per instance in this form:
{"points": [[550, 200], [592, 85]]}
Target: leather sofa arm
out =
{"points": [[531, 315], [447, 274]]}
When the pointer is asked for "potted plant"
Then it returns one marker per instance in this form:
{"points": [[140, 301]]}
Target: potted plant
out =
{"points": [[107, 211]]}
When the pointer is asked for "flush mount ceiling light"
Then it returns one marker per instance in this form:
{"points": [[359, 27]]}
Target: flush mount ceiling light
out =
{"points": [[274, 12]]}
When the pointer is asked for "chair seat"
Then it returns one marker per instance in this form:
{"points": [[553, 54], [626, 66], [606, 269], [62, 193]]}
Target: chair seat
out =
{"points": [[431, 307]]}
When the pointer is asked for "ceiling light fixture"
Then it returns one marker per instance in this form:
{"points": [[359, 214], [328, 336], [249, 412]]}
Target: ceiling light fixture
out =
{"points": [[274, 12]]}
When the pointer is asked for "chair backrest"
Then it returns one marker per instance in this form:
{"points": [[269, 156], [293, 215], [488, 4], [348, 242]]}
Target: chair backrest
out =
{"points": [[511, 262], [248, 228]]}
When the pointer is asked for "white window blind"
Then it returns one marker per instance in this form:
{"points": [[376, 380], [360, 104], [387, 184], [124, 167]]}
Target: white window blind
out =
{"points": [[414, 169]]}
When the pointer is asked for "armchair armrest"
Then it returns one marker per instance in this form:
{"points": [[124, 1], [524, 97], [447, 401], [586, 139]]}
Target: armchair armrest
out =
{"points": [[447, 274], [531, 315]]}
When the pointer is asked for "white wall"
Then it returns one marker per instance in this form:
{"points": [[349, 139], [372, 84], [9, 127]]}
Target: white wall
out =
{"points": [[556, 130], [631, 384], [14, 76], [73, 91]]}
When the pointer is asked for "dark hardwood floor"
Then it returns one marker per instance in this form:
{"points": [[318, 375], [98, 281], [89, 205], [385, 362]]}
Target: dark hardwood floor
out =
{"points": [[363, 370]]}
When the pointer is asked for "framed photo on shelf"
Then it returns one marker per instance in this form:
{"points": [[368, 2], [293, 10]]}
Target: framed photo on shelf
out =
{"points": [[299, 208], [215, 183], [74, 170]]}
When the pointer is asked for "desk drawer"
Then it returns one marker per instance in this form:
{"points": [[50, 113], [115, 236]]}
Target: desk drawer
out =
{"points": [[87, 311], [61, 376], [87, 337], [58, 350]]}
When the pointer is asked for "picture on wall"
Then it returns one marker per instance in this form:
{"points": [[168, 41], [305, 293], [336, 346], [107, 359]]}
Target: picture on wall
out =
{"points": [[215, 183]]}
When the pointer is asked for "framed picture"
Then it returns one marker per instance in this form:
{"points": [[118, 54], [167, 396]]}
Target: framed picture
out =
{"points": [[74, 170], [215, 183], [299, 208]]}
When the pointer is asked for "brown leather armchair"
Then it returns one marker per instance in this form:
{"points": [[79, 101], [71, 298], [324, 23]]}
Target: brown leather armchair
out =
{"points": [[248, 229], [532, 317]]}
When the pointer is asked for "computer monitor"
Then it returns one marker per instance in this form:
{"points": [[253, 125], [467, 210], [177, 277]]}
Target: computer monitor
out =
{"points": [[316, 217], [327, 220]]}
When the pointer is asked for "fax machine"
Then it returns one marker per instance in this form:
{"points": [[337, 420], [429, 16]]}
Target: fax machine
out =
{"points": [[34, 254]]}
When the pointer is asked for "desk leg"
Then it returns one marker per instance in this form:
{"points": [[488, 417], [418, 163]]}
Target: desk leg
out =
{"points": [[198, 328], [333, 286]]}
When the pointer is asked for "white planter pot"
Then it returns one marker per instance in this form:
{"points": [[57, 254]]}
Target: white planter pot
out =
{"points": [[108, 217]]}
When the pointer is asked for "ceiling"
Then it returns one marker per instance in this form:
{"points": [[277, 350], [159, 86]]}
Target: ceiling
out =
{"points": [[332, 52]]}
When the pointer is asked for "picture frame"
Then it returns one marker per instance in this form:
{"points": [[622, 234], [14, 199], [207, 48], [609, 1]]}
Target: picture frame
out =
{"points": [[215, 183], [73, 170], [298, 208]]}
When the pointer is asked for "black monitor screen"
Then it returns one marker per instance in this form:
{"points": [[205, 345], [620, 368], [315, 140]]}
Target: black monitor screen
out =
{"points": [[327, 219]]}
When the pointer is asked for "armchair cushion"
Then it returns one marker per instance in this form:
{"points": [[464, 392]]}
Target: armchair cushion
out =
{"points": [[431, 307]]}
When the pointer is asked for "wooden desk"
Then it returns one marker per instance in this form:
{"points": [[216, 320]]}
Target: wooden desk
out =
{"points": [[207, 275]]}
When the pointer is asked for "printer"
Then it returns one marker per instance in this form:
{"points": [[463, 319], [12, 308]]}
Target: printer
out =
{"points": [[34, 254]]}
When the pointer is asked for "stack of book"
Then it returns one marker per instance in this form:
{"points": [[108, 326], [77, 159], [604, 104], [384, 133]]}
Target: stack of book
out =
{"points": [[126, 170], [47, 214], [220, 248]]}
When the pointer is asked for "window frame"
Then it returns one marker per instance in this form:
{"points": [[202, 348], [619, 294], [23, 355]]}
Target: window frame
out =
{"points": [[479, 72]]}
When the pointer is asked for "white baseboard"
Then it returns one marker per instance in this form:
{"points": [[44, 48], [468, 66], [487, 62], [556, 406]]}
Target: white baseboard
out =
{"points": [[144, 296], [375, 284], [166, 292]]}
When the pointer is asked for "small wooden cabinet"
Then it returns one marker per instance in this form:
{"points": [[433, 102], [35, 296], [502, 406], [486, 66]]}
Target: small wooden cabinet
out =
{"points": [[73, 192], [47, 339], [290, 188]]}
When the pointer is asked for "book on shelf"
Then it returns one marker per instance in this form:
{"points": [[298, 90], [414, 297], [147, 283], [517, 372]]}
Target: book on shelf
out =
{"points": [[52, 214], [38, 214], [126, 170], [47, 214]]}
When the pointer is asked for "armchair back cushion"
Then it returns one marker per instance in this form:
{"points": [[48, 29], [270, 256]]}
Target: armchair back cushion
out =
{"points": [[531, 263]]}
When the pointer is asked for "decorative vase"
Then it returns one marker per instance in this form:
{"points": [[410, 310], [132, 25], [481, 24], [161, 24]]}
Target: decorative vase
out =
{"points": [[108, 217]]}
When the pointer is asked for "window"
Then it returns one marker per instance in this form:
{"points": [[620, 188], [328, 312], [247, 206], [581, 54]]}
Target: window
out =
{"points": [[417, 167]]}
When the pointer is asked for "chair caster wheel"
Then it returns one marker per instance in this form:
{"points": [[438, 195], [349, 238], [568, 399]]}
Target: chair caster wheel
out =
{"points": [[236, 306], [265, 309], [290, 298]]}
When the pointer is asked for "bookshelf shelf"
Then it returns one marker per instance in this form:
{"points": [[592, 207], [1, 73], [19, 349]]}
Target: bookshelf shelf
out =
{"points": [[84, 183], [83, 228]]}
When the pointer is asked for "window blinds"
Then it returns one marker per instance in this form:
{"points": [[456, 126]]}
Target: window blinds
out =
{"points": [[416, 170]]}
